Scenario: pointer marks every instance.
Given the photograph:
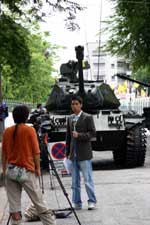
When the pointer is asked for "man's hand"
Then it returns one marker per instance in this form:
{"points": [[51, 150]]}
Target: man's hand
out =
{"points": [[2, 179], [4, 173], [37, 165], [4, 163], [75, 134]]}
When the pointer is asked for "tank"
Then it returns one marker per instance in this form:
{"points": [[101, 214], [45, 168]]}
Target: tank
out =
{"points": [[96, 95], [122, 134]]}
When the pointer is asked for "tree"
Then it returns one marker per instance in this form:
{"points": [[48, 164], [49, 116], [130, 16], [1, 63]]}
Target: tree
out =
{"points": [[142, 74], [14, 52], [13, 49], [36, 85], [14, 14], [36, 9], [15, 55], [130, 31]]}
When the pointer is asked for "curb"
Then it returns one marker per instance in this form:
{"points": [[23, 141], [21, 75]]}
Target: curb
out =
{"points": [[3, 203], [3, 195], [2, 182]]}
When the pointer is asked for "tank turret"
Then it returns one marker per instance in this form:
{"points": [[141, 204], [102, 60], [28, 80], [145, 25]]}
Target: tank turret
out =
{"points": [[96, 94]]}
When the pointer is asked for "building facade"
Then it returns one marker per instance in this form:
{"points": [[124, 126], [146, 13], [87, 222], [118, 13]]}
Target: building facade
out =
{"points": [[103, 66]]}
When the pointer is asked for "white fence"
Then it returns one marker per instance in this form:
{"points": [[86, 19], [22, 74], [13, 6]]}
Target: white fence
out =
{"points": [[12, 103], [136, 104]]}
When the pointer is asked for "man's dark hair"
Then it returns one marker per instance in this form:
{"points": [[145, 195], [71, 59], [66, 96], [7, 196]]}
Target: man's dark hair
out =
{"points": [[77, 98], [20, 114]]}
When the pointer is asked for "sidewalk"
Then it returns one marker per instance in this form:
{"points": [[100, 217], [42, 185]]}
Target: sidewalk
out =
{"points": [[3, 203], [3, 197], [55, 199], [122, 194]]}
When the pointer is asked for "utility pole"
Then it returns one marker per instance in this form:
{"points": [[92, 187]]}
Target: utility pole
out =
{"points": [[1, 100], [1, 121], [0, 84]]}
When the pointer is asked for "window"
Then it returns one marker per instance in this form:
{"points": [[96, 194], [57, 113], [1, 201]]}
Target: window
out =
{"points": [[99, 77], [112, 65], [97, 53], [120, 64], [101, 65], [113, 78]]}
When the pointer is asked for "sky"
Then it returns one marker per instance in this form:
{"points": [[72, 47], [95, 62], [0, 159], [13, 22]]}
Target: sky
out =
{"points": [[89, 22]]}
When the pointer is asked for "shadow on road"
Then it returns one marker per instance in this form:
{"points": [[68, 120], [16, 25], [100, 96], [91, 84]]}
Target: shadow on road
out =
{"points": [[105, 164], [2, 183]]}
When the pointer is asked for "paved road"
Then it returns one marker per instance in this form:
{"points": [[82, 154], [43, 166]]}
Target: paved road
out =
{"points": [[123, 195]]}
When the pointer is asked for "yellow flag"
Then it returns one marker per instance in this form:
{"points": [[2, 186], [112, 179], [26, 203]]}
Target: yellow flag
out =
{"points": [[143, 93], [135, 85]]}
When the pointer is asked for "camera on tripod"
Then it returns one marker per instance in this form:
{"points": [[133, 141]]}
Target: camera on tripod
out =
{"points": [[37, 118]]}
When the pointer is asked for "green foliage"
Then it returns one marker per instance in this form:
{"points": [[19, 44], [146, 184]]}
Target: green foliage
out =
{"points": [[35, 5], [36, 9], [36, 85], [13, 49], [130, 31], [142, 74], [26, 68]]}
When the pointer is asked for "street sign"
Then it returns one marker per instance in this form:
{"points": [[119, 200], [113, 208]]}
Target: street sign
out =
{"points": [[58, 151]]}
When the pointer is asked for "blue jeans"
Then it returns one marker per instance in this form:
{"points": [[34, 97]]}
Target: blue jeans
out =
{"points": [[86, 168]]}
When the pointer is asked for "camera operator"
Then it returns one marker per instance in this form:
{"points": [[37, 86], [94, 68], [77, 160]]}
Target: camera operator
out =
{"points": [[39, 106], [20, 151]]}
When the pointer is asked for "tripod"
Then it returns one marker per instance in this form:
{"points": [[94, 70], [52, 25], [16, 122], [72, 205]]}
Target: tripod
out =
{"points": [[61, 185]]}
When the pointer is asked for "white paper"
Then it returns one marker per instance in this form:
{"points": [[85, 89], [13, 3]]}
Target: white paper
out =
{"points": [[68, 165]]}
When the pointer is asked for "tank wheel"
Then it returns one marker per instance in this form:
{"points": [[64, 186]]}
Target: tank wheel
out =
{"points": [[135, 146]]}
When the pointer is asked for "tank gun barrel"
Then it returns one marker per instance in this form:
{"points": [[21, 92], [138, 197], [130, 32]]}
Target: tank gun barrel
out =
{"points": [[80, 56], [125, 77]]}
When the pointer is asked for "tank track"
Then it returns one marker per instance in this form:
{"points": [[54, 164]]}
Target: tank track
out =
{"points": [[133, 154], [135, 146]]}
